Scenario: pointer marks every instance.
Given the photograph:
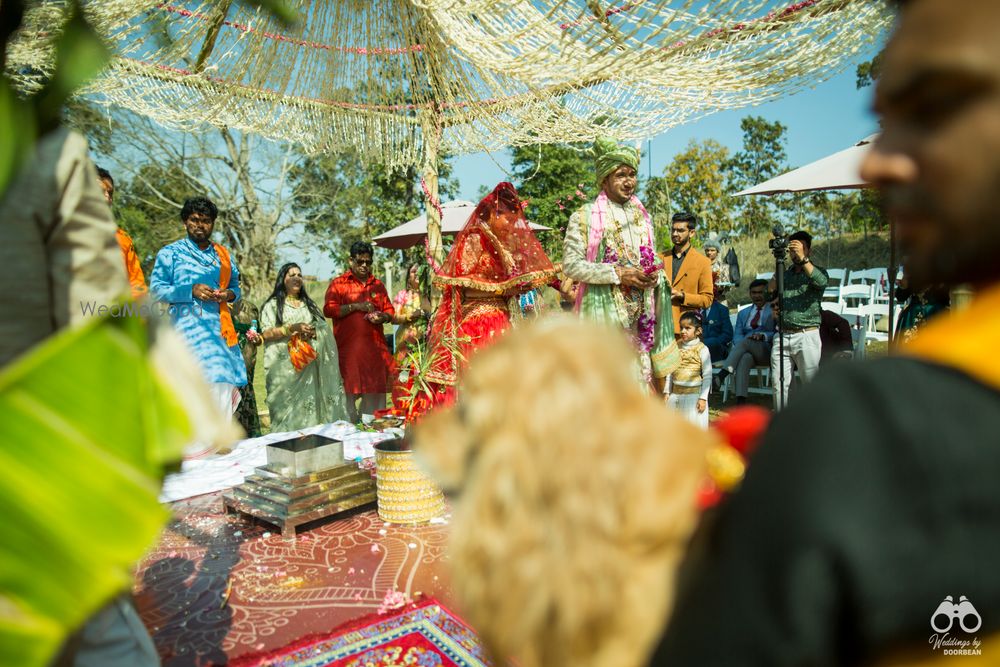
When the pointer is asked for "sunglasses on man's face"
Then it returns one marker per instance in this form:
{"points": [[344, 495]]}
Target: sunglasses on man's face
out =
{"points": [[362, 262]]}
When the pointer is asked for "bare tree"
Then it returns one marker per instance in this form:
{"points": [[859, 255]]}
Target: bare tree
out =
{"points": [[246, 176]]}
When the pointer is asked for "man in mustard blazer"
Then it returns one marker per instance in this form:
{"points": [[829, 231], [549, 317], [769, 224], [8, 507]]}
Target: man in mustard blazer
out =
{"points": [[688, 271]]}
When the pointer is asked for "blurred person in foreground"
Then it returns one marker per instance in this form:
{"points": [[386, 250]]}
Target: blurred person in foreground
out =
{"points": [[563, 545], [57, 226], [874, 496]]}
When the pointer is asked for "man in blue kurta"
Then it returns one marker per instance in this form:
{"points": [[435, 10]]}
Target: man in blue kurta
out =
{"points": [[198, 278]]}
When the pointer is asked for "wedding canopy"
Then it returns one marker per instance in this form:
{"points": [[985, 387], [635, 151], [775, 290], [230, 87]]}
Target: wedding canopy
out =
{"points": [[383, 77], [401, 82]]}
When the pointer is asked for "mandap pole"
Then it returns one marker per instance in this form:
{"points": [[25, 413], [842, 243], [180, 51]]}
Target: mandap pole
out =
{"points": [[432, 204]]}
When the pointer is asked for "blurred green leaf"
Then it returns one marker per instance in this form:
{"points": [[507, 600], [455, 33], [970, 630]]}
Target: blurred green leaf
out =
{"points": [[87, 424], [17, 127], [278, 9]]}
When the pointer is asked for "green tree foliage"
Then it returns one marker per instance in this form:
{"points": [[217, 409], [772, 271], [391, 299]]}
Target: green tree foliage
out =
{"points": [[697, 181], [831, 214], [340, 200], [555, 179], [656, 198], [762, 157], [868, 72]]}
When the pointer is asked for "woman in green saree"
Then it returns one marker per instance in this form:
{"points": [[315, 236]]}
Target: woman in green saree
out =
{"points": [[298, 399]]}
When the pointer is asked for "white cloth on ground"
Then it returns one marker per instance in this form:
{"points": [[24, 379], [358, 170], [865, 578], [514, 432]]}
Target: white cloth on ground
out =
{"points": [[207, 475]]}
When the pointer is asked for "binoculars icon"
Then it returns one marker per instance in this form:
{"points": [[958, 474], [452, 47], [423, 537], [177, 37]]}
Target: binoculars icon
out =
{"points": [[948, 611]]}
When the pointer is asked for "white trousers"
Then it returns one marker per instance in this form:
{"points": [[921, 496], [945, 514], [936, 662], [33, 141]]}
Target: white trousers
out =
{"points": [[804, 349], [227, 397]]}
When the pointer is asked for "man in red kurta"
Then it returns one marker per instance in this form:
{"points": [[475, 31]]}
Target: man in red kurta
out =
{"points": [[359, 305]]}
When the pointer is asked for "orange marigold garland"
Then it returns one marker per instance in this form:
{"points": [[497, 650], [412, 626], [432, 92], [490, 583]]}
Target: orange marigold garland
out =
{"points": [[300, 351]]}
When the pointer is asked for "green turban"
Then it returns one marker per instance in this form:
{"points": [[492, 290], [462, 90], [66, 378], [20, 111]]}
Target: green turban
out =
{"points": [[608, 156]]}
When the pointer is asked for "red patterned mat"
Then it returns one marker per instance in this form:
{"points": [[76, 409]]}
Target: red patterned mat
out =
{"points": [[426, 634], [217, 587]]}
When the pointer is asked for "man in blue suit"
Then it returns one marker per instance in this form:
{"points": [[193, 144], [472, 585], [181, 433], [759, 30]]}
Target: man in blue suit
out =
{"points": [[717, 330], [751, 340]]}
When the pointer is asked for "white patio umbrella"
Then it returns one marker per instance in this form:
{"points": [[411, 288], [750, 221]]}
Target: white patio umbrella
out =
{"points": [[454, 215], [840, 171]]}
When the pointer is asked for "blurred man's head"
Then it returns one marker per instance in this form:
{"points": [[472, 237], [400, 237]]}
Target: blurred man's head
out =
{"points": [[937, 161], [107, 184]]}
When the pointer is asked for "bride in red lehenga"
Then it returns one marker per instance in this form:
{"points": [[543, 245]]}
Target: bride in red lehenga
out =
{"points": [[495, 258]]}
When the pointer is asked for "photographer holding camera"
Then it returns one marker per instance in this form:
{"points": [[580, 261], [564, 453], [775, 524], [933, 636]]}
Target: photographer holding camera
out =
{"points": [[804, 284]]}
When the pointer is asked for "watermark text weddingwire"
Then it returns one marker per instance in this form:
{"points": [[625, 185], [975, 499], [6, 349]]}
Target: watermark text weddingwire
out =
{"points": [[133, 309]]}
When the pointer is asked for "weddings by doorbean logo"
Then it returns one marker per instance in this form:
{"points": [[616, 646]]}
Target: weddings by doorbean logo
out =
{"points": [[954, 625]]}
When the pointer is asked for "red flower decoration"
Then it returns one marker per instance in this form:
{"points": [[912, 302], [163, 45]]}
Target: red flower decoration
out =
{"points": [[743, 427]]}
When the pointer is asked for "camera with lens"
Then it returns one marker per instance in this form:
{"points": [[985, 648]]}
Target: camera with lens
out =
{"points": [[779, 242]]}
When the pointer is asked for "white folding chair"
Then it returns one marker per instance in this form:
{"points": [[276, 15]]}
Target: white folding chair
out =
{"points": [[874, 313], [833, 306], [832, 291], [870, 277], [853, 295], [763, 386]]}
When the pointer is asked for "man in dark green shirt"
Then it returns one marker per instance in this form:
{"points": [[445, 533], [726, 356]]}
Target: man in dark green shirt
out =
{"points": [[800, 341]]}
